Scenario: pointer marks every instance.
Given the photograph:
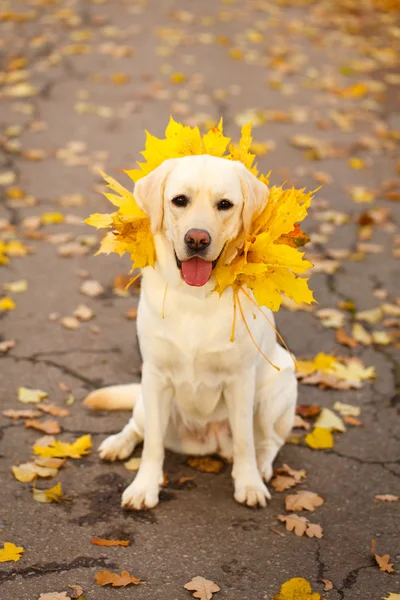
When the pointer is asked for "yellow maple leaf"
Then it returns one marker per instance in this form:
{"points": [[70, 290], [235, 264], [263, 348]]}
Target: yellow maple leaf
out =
{"points": [[321, 362], [296, 588], [10, 552], [57, 449], [53, 494], [319, 439]]}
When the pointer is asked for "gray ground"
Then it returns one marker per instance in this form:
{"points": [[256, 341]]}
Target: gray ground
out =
{"points": [[288, 79]]}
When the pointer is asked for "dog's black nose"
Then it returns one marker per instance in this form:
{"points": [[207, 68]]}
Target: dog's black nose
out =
{"points": [[197, 239]]}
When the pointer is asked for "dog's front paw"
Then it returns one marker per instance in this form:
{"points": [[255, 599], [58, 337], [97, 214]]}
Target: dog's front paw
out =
{"points": [[142, 493], [251, 491], [118, 446]]}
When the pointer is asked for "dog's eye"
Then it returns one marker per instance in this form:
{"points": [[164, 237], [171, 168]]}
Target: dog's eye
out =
{"points": [[224, 205], [180, 201]]}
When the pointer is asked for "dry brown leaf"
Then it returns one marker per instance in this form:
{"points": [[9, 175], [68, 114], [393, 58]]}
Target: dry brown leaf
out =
{"points": [[387, 498], [346, 340], [382, 561], [301, 526], [286, 477], [104, 542], [49, 426], [349, 420], [202, 588], [294, 523], [132, 313], [206, 464], [21, 414], [7, 345], [107, 578], [328, 585], [314, 530], [54, 410], [303, 500], [308, 410], [76, 593]]}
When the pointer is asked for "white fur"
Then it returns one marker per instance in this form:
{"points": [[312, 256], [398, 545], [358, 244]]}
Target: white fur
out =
{"points": [[200, 392]]}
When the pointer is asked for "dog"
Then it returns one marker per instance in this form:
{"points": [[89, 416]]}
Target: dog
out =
{"points": [[200, 392]]}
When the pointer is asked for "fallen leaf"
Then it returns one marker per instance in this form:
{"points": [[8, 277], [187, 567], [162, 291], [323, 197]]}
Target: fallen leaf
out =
{"points": [[10, 552], [182, 481], [202, 588], [53, 410], [347, 409], [29, 471], [83, 313], [49, 218], [16, 287], [382, 561], [57, 449], [7, 303], [328, 585], [76, 593], [296, 588], [7, 344], [49, 426], [360, 334], [303, 500], [346, 340], [349, 420], [133, 464], [70, 322], [387, 498], [206, 464], [31, 396], [286, 478], [294, 523], [392, 596], [329, 420], [91, 288], [319, 439], [371, 316], [107, 578], [49, 463], [331, 317], [103, 542], [53, 494], [132, 313], [308, 410], [382, 338], [21, 414], [314, 530]]}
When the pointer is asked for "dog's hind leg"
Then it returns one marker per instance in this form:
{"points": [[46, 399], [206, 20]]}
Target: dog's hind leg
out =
{"points": [[274, 417], [122, 444]]}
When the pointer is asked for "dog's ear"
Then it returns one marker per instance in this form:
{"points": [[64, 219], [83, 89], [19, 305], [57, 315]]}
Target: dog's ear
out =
{"points": [[255, 195], [149, 193]]}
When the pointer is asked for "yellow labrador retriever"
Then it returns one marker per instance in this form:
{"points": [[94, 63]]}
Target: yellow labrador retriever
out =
{"points": [[201, 393]]}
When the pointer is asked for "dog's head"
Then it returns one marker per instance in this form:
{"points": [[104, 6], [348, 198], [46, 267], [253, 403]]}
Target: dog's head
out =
{"points": [[204, 205]]}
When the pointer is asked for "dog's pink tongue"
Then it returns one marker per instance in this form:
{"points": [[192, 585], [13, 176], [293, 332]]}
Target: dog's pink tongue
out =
{"points": [[196, 271]]}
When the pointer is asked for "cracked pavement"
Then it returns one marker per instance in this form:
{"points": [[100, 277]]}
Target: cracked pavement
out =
{"points": [[287, 82]]}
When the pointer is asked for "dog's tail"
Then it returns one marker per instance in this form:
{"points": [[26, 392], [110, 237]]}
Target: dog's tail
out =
{"points": [[115, 397]]}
